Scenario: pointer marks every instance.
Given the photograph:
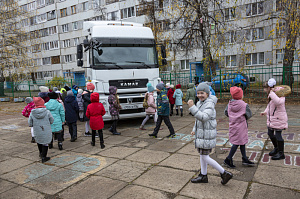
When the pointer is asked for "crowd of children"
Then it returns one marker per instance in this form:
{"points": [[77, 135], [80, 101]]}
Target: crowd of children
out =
{"points": [[51, 110]]}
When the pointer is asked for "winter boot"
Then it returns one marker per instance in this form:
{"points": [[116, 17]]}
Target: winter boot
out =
{"points": [[200, 179], [32, 140], [87, 134], [51, 144], [275, 150], [226, 176], [110, 129], [93, 143], [280, 155], [247, 162], [229, 163], [176, 111], [44, 154], [60, 146], [102, 145]]}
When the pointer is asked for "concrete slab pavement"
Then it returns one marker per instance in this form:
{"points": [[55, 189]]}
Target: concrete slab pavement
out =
{"points": [[134, 165]]}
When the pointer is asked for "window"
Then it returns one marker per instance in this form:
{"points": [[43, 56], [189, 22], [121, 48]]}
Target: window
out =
{"points": [[254, 9], [52, 30], [46, 46], [53, 45], [40, 3], [41, 18], [55, 60], [36, 48], [65, 28], [46, 61], [184, 65], [49, 2], [280, 29], [254, 34], [63, 12], [32, 20], [75, 25], [112, 16], [230, 61], [85, 6], [231, 37], [229, 13], [68, 58], [73, 9], [76, 41], [255, 59], [279, 55], [279, 6], [51, 15], [257, 34], [127, 13], [66, 43]]}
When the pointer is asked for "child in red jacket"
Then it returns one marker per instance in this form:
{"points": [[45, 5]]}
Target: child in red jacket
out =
{"points": [[94, 112], [26, 112]]}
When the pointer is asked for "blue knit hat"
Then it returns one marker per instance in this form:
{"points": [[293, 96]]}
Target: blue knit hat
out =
{"points": [[150, 87], [160, 86]]}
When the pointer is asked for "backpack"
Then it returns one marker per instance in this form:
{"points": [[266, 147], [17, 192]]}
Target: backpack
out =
{"points": [[145, 103]]}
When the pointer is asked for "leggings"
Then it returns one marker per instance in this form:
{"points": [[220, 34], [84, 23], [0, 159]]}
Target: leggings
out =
{"points": [[204, 160], [87, 126], [147, 118], [233, 150], [277, 135]]}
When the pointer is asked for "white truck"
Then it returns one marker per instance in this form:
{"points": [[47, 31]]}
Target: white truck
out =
{"points": [[124, 55]]}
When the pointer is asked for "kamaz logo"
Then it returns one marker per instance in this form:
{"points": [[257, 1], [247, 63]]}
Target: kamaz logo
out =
{"points": [[126, 84]]}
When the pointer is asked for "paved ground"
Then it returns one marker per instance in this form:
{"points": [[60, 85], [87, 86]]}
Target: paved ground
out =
{"points": [[135, 166]]}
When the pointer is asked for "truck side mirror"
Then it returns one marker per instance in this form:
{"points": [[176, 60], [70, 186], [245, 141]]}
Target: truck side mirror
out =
{"points": [[163, 51], [79, 51], [79, 63]]}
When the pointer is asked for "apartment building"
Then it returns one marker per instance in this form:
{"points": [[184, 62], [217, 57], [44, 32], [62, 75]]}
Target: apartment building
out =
{"points": [[58, 25]]}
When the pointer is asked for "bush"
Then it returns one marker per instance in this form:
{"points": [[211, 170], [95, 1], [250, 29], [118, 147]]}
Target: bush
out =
{"points": [[58, 82]]}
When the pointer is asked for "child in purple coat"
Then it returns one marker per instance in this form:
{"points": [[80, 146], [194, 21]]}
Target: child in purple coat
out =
{"points": [[238, 112], [114, 109], [26, 113]]}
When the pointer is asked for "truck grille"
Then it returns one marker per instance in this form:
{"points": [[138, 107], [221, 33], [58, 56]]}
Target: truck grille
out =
{"points": [[128, 111]]}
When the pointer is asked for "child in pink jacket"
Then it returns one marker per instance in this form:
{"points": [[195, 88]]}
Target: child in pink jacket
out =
{"points": [[238, 112], [277, 119], [151, 110], [26, 113]]}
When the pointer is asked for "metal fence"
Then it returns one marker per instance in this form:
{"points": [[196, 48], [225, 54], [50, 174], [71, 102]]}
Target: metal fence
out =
{"points": [[29, 88], [251, 79]]}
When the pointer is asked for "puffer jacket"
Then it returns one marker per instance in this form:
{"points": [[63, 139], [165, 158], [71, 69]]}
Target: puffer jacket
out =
{"points": [[95, 111], [80, 102], [41, 119], [163, 108], [170, 95], [28, 108], [191, 93], [151, 103], [205, 124], [58, 113], [114, 105], [72, 109], [276, 113], [178, 95]]}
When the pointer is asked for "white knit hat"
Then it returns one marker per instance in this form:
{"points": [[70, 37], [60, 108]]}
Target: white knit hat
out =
{"points": [[44, 89], [271, 82]]}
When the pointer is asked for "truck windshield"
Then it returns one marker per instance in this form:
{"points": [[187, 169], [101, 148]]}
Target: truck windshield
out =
{"points": [[126, 56]]}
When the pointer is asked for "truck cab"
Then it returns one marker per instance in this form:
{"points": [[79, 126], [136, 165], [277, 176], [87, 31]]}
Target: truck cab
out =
{"points": [[124, 55]]}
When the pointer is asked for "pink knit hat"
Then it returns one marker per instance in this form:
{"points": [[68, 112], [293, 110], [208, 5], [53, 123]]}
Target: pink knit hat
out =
{"points": [[236, 93], [39, 102], [90, 86]]}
